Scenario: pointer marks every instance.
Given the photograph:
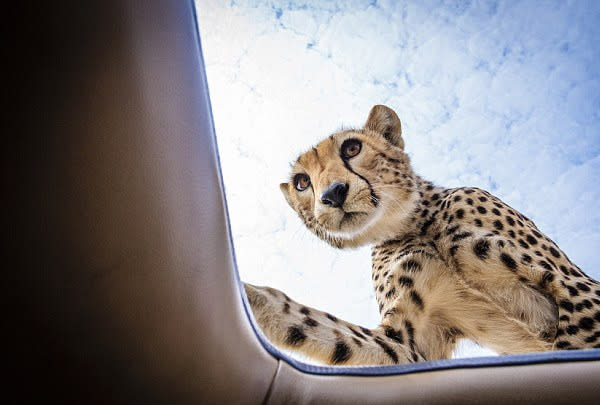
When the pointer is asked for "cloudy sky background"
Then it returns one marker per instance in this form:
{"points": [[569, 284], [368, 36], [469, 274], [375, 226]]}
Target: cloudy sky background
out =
{"points": [[499, 95]]}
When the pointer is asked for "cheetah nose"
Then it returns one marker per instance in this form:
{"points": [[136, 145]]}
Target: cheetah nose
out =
{"points": [[335, 195]]}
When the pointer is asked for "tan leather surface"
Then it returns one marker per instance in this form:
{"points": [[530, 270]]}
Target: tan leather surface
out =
{"points": [[125, 286], [559, 383]]}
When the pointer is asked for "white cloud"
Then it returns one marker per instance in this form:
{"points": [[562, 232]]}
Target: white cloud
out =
{"points": [[498, 95]]}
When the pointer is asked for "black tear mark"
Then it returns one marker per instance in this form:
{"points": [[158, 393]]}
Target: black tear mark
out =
{"points": [[374, 196]]}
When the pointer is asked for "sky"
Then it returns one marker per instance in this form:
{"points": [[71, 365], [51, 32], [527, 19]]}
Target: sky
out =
{"points": [[501, 95]]}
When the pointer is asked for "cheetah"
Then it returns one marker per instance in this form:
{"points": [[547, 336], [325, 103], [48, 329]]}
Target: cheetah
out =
{"points": [[447, 264]]}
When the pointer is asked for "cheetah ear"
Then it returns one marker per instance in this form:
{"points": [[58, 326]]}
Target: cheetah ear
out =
{"points": [[286, 193], [384, 120]]}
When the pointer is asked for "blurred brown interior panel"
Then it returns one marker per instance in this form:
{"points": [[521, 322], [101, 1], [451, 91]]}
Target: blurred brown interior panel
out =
{"points": [[123, 287]]}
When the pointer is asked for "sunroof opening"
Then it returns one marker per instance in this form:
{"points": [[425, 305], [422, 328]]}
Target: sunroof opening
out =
{"points": [[502, 97]]}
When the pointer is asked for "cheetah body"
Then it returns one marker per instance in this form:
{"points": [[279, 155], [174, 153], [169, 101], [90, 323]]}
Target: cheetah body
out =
{"points": [[446, 263]]}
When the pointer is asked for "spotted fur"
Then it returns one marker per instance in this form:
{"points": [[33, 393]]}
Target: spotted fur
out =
{"points": [[446, 263]]}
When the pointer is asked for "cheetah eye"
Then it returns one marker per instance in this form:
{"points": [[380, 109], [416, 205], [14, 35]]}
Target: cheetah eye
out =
{"points": [[350, 148], [301, 181]]}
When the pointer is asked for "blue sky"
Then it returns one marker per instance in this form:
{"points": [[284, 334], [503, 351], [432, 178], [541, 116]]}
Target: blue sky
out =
{"points": [[500, 95]]}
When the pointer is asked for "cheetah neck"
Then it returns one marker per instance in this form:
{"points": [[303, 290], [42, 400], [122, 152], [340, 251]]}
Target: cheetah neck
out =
{"points": [[416, 218]]}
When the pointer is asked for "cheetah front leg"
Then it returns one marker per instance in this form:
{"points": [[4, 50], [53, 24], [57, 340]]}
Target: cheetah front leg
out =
{"points": [[424, 299], [322, 336]]}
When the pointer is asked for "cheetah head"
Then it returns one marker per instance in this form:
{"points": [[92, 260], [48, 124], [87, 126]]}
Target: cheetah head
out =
{"points": [[356, 186]]}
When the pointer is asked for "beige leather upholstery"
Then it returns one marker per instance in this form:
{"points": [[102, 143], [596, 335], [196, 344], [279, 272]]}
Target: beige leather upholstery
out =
{"points": [[568, 383], [122, 286], [128, 283]]}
